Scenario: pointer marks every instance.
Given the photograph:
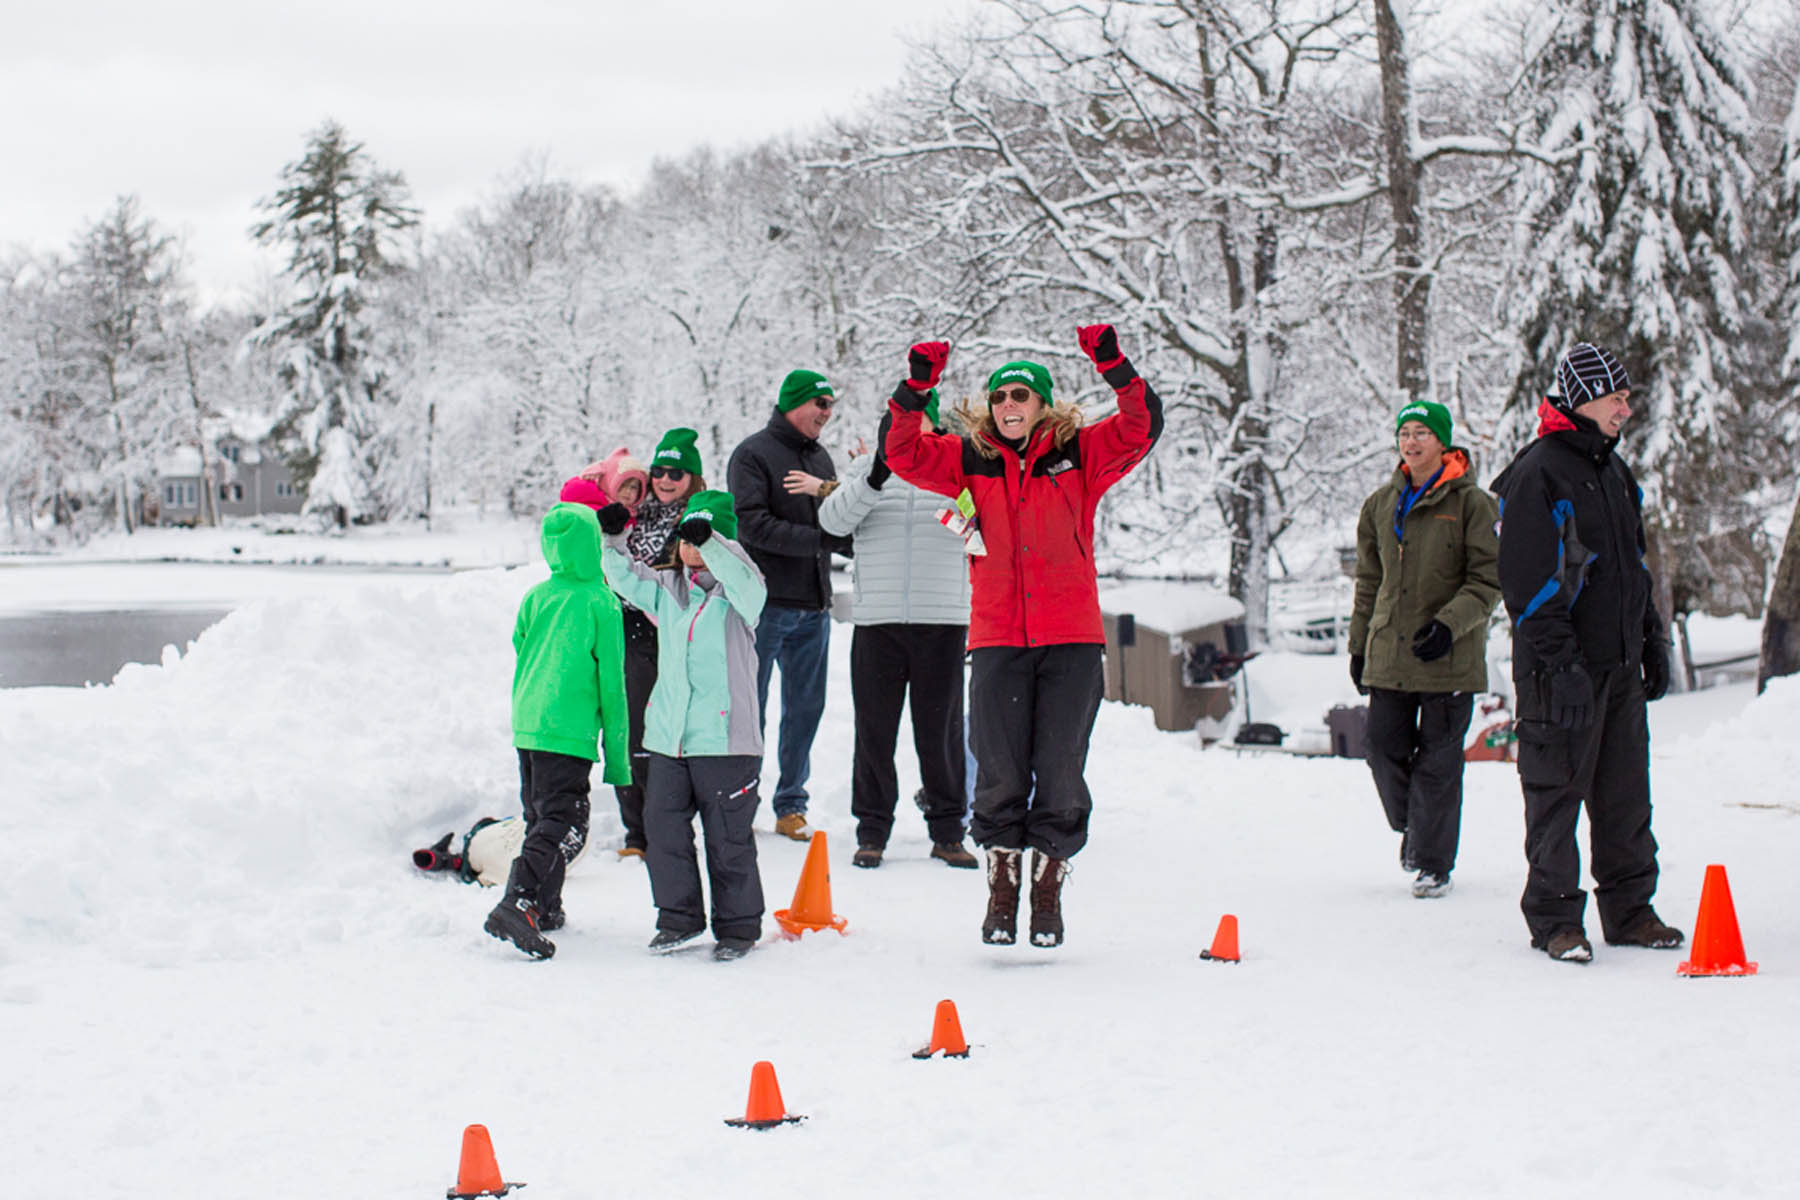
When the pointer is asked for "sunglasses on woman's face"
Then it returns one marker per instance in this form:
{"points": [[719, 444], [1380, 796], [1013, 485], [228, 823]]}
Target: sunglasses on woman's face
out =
{"points": [[672, 474], [1018, 395]]}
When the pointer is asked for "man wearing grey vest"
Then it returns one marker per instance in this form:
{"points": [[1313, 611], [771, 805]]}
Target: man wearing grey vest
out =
{"points": [[912, 615]]}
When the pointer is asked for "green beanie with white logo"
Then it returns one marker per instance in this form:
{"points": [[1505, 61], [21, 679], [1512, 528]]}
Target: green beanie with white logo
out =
{"points": [[678, 448], [799, 387], [1432, 416], [715, 507], [1031, 374]]}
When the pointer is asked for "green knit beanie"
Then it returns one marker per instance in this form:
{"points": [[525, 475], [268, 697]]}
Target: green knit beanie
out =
{"points": [[799, 387], [1030, 374], [1432, 416], [678, 448], [716, 507]]}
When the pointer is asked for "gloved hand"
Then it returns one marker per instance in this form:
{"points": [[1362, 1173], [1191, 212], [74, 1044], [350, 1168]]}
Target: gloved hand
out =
{"points": [[1656, 668], [879, 470], [1101, 344], [925, 362], [1356, 670], [613, 518], [1432, 642], [694, 531], [1571, 698]]}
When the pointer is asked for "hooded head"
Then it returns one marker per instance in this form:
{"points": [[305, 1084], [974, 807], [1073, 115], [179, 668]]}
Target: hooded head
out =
{"points": [[715, 508], [582, 490], [571, 541], [619, 468]]}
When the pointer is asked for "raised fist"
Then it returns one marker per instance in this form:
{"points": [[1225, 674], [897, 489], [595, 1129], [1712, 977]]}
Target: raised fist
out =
{"points": [[1101, 344], [925, 362]]}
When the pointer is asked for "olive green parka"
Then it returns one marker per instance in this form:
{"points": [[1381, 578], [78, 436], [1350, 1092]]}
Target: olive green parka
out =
{"points": [[1445, 569]]}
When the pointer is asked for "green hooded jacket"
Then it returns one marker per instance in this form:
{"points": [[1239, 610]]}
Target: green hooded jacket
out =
{"points": [[569, 678], [1446, 569]]}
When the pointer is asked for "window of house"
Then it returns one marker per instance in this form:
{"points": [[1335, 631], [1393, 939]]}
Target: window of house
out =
{"points": [[284, 489], [230, 452], [231, 491]]}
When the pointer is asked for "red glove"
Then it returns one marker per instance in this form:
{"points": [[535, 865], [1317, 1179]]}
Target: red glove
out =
{"points": [[925, 361], [1101, 344]]}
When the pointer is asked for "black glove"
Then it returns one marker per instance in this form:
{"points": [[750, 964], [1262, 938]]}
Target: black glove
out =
{"points": [[694, 531], [1356, 670], [1432, 642], [879, 470], [1656, 669], [1571, 698], [614, 518], [910, 399], [438, 857]]}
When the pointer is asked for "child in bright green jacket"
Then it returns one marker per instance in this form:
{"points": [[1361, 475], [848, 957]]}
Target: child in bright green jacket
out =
{"points": [[702, 728], [568, 710]]}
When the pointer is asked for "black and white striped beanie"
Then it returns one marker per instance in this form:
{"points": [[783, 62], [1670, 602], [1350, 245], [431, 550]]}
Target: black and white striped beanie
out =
{"points": [[1587, 373]]}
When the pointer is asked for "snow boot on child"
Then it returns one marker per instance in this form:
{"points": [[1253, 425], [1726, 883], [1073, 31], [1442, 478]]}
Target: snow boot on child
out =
{"points": [[1001, 925], [1047, 875], [515, 919]]}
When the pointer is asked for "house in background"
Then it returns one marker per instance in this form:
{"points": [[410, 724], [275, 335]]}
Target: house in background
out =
{"points": [[247, 478]]}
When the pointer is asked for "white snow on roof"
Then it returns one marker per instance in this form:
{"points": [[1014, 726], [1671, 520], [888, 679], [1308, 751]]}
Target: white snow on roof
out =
{"points": [[1170, 606], [181, 462]]}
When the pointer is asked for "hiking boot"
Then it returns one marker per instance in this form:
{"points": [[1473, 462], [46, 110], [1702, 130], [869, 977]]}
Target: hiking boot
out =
{"points": [[1047, 875], [866, 856], [515, 919], [671, 939], [1001, 925], [955, 855], [552, 919], [1569, 945], [793, 825], [1649, 930], [730, 949], [1430, 885]]}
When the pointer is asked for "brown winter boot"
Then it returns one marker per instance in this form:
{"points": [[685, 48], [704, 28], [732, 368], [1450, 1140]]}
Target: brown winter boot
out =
{"points": [[1047, 875], [1001, 925]]}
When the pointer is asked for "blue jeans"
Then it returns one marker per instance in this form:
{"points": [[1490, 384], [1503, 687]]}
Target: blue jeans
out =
{"points": [[797, 639]]}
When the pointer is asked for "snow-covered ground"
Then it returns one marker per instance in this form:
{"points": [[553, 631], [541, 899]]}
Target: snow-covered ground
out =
{"points": [[220, 975]]}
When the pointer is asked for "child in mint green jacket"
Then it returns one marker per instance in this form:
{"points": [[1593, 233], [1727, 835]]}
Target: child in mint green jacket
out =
{"points": [[568, 707], [701, 727]]}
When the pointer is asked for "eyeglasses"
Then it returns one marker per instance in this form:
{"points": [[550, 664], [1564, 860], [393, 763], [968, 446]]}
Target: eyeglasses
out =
{"points": [[672, 474], [1018, 395], [824, 403]]}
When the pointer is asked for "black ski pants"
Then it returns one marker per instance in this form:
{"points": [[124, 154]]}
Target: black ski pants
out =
{"points": [[640, 681], [722, 790], [553, 791], [1607, 767], [1415, 753], [1031, 713], [887, 662]]}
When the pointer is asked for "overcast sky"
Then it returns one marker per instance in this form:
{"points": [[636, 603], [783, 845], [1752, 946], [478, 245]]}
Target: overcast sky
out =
{"points": [[195, 105]]}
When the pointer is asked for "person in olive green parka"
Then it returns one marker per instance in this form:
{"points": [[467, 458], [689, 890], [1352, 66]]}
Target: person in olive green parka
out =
{"points": [[568, 710], [1427, 578]]}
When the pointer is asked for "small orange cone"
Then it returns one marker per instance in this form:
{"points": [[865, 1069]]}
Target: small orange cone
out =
{"points": [[479, 1174], [1717, 948], [946, 1034], [1224, 947], [811, 910], [764, 1109]]}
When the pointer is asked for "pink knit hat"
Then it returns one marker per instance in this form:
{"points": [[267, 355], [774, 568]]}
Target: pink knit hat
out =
{"points": [[583, 491], [615, 469]]}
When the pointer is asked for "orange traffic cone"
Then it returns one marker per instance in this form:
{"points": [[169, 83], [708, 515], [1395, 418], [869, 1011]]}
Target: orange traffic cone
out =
{"points": [[764, 1110], [946, 1034], [479, 1174], [1717, 948], [811, 910], [1224, 947]]}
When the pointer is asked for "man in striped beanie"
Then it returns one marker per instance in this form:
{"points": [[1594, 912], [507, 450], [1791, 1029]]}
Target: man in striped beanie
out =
{"points": [[1588, 652]]}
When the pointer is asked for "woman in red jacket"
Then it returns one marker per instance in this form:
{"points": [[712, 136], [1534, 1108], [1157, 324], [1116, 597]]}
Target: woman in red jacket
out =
{"points": [[1034, 475]]}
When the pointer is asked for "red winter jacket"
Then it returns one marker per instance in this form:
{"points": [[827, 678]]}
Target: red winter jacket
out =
{"points": [[1036, 585]]}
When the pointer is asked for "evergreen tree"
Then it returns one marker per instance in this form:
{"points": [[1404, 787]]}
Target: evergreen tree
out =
{"points": [[1635, 244], [339, 217]]}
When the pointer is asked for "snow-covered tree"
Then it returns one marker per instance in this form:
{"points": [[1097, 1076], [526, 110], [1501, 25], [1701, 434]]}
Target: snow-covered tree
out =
{"points": [[1638, 244], [339, 217]]}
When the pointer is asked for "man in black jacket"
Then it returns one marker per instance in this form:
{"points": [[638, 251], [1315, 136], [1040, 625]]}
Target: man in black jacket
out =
{"points": [[777, 477], [1588, 652]]}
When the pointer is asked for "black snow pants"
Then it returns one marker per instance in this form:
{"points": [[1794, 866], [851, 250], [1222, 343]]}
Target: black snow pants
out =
{"points": [[1415, 753], [1031, 712], [553, 791], [722, 789], [1607, 767], [640, 680], [887, 662]]}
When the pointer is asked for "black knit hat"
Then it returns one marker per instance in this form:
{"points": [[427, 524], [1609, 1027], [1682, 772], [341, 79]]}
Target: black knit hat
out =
{"points": [[1587, 373]]}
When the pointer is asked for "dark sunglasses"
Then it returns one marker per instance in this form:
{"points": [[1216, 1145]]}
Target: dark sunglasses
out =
{"points": [[673, 474], [1018, 395], [824, 402]]}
